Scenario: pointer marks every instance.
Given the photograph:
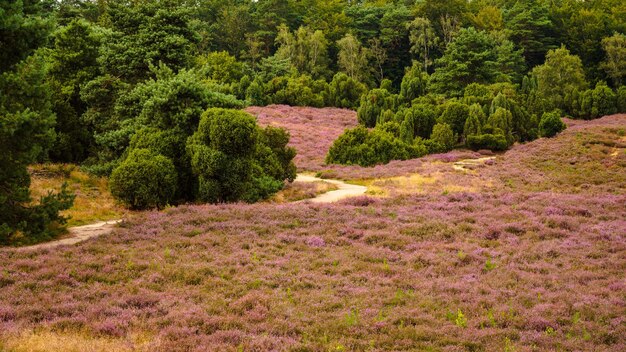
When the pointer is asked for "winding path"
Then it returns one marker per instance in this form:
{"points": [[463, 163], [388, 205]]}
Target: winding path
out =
{"points": [[79, 234], [82, 233], [345, 190]]}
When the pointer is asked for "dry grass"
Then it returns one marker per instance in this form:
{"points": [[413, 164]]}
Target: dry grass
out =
{"points": [[93, 201], [45, 341]]}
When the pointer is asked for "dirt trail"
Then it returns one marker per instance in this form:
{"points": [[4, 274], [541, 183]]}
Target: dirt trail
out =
{"points": [[79, 234], [345, 190], [471, 164], [82, 233]]}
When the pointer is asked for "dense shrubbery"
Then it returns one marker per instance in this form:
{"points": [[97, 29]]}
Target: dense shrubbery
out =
{"points": [[359, 146], [144, 180], [551, 124], [227, 158]]}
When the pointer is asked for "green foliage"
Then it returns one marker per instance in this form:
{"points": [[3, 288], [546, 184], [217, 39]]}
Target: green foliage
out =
{"points": [[221, 67], [501, 122], [475, 57], [473, 124], [477, 93], [73, 63], [147, 34], [528, 24], [598, 102], [442, 139], [417, 121], [358, 146], [234, 160], [296, 91], [495, 142], [551, 124], [454, 115], [306, 49], [621, 99], [560, 75], [352, 57], [144, 180], [615, 63], [373, 104], [24, 27], [414, 83], [171, 144], [26, 133], [344, 92]]}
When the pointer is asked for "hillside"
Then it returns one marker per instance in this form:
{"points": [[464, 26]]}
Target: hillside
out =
{"points": [[524, 253]]}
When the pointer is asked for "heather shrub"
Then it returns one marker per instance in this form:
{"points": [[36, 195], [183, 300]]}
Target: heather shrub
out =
{"points": [[144, 180], [551, 124]]}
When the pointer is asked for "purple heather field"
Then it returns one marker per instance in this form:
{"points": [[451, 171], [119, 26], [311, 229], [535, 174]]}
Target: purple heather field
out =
{"points": [[525, 253]]}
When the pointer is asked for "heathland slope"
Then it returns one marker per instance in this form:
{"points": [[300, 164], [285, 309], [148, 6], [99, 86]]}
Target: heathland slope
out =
{"points": [[525, 253]]}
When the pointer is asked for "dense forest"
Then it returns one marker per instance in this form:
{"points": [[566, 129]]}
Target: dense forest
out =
{"points": [[149, 92]]}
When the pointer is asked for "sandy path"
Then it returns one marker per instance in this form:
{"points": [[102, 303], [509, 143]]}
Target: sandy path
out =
{"points": [[470, 164], [82, 233], [79, 234], [345, 190]]}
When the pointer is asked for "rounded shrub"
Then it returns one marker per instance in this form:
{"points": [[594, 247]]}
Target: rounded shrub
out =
{"points": [[442, 139], [551, 124], [495, 142], [454, 115], [144, 180], [344, 92]]}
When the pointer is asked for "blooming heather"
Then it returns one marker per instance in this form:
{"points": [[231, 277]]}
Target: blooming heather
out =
{"points": [[511, 256]]}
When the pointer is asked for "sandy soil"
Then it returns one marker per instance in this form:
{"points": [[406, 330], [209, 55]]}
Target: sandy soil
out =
{"points": [[79, 234], [470, 164], [344, 190], [82, 233]]}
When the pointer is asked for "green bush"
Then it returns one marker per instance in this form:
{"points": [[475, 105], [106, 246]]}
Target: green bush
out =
{"points": [[621, 99], [598, 102], [551, 124], [454, 115], [358, 146], [344, 92], [373, 104], [414, 83], [234, 160], [473, 124], [417, 121], [493, 142], [501, 121], [296, 91], [171, 144], [442, 139], [144, 180]]}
